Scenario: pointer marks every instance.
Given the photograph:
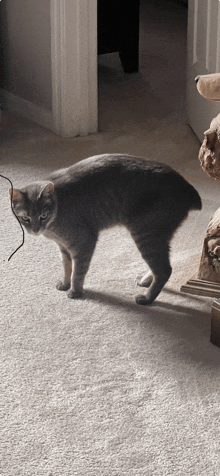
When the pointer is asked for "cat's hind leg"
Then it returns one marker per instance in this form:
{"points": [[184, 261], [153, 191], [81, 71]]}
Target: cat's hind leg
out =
{"points": [[155, 251], [145, 281]]}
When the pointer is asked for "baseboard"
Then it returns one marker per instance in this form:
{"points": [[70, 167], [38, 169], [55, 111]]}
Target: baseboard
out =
{"points": [[215, 323], [17, 105]]}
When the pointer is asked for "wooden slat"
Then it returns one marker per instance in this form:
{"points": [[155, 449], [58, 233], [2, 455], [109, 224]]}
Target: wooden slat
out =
{"points": [[201, 287]]}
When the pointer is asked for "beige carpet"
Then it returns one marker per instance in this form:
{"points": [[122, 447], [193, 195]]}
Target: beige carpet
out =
{"points": [[102, 386]]}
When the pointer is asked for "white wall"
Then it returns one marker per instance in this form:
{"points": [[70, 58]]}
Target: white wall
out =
{"points": [[203, 58], [27, 48]]}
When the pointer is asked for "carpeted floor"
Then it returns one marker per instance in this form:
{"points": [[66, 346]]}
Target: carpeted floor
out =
{"points": [[102, 386]]}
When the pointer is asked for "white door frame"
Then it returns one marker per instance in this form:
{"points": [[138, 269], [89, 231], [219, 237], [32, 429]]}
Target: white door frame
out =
{"points": [[74, 66], [73, 25]]}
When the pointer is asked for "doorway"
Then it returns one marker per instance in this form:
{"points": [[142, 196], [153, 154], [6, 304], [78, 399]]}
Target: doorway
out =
{"points": [[163, 53]]}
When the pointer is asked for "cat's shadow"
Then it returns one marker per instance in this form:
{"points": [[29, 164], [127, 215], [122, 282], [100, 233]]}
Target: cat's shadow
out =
{"points": [[159, 308], [158, 305], [186, 324]]}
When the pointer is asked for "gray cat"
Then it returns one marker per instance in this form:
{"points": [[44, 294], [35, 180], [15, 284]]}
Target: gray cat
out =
{"points": [[73, 204]]}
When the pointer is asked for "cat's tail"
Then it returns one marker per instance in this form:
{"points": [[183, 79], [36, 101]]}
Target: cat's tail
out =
{"points": [[188, 195], [194, 199]]}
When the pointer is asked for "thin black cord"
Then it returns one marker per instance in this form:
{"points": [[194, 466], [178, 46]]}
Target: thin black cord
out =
{"points": [[6, 178]]}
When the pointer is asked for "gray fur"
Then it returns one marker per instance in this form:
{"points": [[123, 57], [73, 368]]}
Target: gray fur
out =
{"points": [[72, 205]]}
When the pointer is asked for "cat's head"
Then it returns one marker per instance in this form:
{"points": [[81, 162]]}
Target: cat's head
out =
{"points": [[35, 206]]}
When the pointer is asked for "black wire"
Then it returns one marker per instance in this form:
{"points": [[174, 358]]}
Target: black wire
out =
{"points": [[6, 178]]}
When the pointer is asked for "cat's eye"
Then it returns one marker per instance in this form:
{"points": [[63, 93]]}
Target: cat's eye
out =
{"points": [[25, 218], [43, 216]]}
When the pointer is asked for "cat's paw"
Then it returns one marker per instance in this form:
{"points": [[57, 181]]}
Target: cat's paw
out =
{"points": [[62, 287], [144, 281], [75, 294], [143, 300]]}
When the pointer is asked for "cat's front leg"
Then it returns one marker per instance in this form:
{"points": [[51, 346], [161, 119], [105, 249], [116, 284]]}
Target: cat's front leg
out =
{"points": [[77, 279], [64, 285], [81, 265]]}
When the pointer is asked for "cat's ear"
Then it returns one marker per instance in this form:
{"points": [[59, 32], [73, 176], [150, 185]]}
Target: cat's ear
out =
{"points": [[47, 190], [15, 195]]}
